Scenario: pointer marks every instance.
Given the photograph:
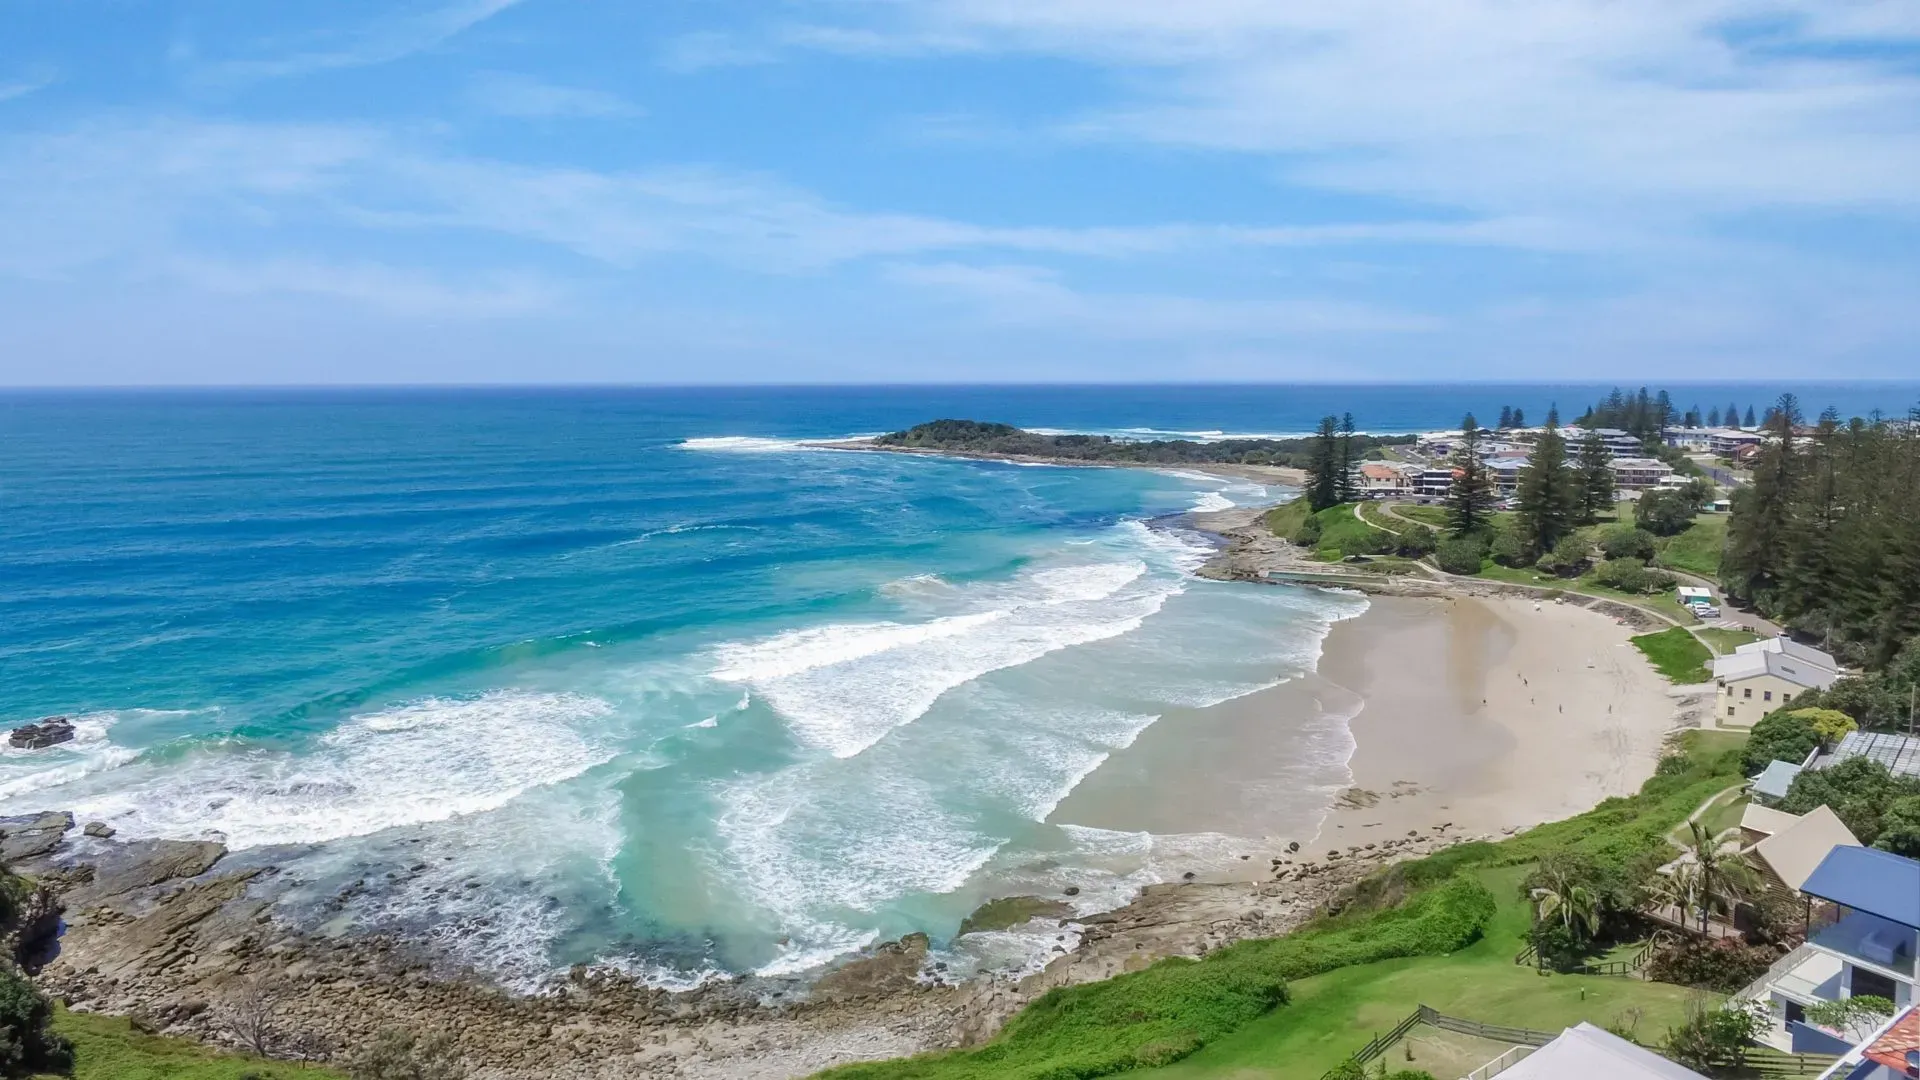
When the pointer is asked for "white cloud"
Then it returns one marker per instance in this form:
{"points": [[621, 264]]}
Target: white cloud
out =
{"points": [[384, 42], [31, 81], [383, 287], [509, 94]]}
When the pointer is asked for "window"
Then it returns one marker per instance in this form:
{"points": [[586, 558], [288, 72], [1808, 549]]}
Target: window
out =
{"points": [[1729, 710], [1746, 691], [1869, 982], [1784, 696], [1766, 695]]}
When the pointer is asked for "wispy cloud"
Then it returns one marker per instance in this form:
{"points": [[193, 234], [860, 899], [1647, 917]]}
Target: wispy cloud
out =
{"points": [[384, 42], [31, 81], [525, 97], [397, 290]]}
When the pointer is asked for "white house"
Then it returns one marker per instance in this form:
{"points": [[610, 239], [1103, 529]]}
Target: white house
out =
{"points": [[1727, 443], [1788, 647], [1639, 473], [1384, 478], [1584, 1052], [1752, 682]]}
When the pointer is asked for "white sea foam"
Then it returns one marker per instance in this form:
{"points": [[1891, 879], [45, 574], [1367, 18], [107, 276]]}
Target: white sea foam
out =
{"points": [[1209, 501], [711, 721], [90, 751], [425, 761], [743, 444], [843, 687]]}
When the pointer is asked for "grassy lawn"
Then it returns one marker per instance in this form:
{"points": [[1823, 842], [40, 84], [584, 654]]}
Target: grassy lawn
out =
{"points": [[1374, 514], [1676, 654], [1725, 641], [1726, 815], [107, 1048], [1662, 603], [1697, 551], [1332, 1015]]}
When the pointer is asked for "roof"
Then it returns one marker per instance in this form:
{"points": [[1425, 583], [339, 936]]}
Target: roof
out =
{"points": [[1779, 665], [1584, 1052], [1894, 1042], [1775, 779], [1695, 590], [1379, 471], [1761, 819], [1795, 851], [1899, 753], [1867, 879], [1788, 647]]}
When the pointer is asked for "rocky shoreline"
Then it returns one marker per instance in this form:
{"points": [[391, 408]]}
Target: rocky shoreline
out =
{"points": [[1265, 474], [181, 937]]}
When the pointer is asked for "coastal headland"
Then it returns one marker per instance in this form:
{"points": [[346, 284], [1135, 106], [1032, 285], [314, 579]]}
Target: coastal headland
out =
{"points": [[1471, 714]]}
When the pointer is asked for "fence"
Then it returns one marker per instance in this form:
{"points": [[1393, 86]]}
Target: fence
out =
{"points": [[1628, 966], [1770, 1063], [1423, 1015], [1500, 1064]]}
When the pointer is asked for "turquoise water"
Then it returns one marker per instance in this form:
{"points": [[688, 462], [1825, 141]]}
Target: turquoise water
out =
{"points": [[627, 677]]}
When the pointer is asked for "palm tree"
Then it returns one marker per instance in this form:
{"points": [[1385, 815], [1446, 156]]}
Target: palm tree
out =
{"points": [[1724, 873], [1578, 907], [1681, 888]]}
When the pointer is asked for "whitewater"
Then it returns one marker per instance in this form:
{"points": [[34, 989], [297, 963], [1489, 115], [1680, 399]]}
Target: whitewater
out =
{"points": [[545, 680]]}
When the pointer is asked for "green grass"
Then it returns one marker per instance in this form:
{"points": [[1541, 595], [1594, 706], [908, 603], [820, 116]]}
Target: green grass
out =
{"points": [[1330, 1016], [1440, 931], [108, 1048], [1726, 814], [1676, 654], [1373, 513], [1697, 551], [1663, 603], [1725, 641]]}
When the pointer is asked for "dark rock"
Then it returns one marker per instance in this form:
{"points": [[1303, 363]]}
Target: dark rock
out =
{"points": [[49, 731], [98, 829], [1072, 890], [126, 868]]}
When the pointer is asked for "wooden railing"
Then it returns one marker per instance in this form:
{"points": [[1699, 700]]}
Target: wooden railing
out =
{"points": [[1432, 1018]]}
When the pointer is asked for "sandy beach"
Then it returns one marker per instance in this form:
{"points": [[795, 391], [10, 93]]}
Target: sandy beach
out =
{"points": [[1481, 714]]}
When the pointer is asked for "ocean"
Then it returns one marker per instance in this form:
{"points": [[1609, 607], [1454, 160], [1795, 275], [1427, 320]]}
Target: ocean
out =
{"points": [[628, 676]]}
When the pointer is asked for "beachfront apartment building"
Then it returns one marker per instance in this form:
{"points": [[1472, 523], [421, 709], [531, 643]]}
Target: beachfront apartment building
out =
{"points": [[1727, 442], [1759, 677], [1434, 483], [1689, 438], [1639, 473], [1862, 937], [1380, 478], [1505, 471]]}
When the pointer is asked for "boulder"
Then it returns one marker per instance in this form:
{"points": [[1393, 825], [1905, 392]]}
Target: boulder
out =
{"points": [[31, 835], [126, 868], [99, 829], [48, 731]]}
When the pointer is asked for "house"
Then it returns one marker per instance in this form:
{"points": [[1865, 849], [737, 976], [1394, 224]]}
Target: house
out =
{"points": [[1863, 925], [1379, 478], [1698, 438], [1774, 780], [1505, 472], [1639, 473], [1753, 684], [1618, 442], [1725, 442], [1747, 455], [1890, 1050], [1584, 1052], [1786, 646], [1786, 848]]}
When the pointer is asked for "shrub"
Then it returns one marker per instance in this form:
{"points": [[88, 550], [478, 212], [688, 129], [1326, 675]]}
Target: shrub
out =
{"points": [[1508, 549], [1722, 966], [1371, 542], [1419, 541], [1461, 555], [1829, 724], [1633, 576], [398, 1054], [26, 1044], [1308, 534], [1568, 558], [1712, 1038], [1900, 828], [1780, 735], [1627, 542], [1858, 789]]}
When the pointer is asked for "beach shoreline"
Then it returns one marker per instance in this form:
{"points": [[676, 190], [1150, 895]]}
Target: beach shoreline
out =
{"points": [[1443, 735], [1276, 475]]}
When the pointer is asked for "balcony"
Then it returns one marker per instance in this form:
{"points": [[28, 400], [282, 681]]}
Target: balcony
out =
{"points": [[1865, 939]]}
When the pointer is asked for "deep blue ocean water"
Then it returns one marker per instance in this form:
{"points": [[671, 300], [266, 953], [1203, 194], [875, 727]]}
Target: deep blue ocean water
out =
{"points": [[626, 676]]}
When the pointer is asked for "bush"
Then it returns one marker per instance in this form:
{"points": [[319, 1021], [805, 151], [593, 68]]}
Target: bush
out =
{"points": [[1632, 576], [1568, 558], [1780, 735], [1627, 542], [1858, 789], [1308, 534], [1712, 1038], [1461, 555], [26, 1044], [1665, 513], [1508, 549], [1829, 724], [1371, 542], [1419, 541], [1721, 966], [1900, 828], [398, 1054]]}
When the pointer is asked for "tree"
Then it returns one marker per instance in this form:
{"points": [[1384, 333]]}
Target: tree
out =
{"points": [[1781, 735], [1519, 417], [398, 1054], [1712, 1038], [1757, 552], [1854, 1018], [1323, 487], [1506, 417], [1344, 485], [1724, 875], [1625, 541], [252, 1017], [1900, 827], [1460, 555], [1859, 790], [1568, 557], [1596, 477], [1829, 724], [1471, 499], [1664, 513], [1713, 418], [1547, 499], [1732, 417], [1418, 541], [28, 1043], [1747, 421]]}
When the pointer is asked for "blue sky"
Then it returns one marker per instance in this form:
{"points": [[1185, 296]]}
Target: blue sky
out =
{"points": [[957, 190]]}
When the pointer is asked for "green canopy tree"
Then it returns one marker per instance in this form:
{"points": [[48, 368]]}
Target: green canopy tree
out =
{"points": [[1595, 466], [1548, 498], [1471, 499]]}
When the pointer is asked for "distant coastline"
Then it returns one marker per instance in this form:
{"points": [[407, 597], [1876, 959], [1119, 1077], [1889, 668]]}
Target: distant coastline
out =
{"points": [[1279, 475]]}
